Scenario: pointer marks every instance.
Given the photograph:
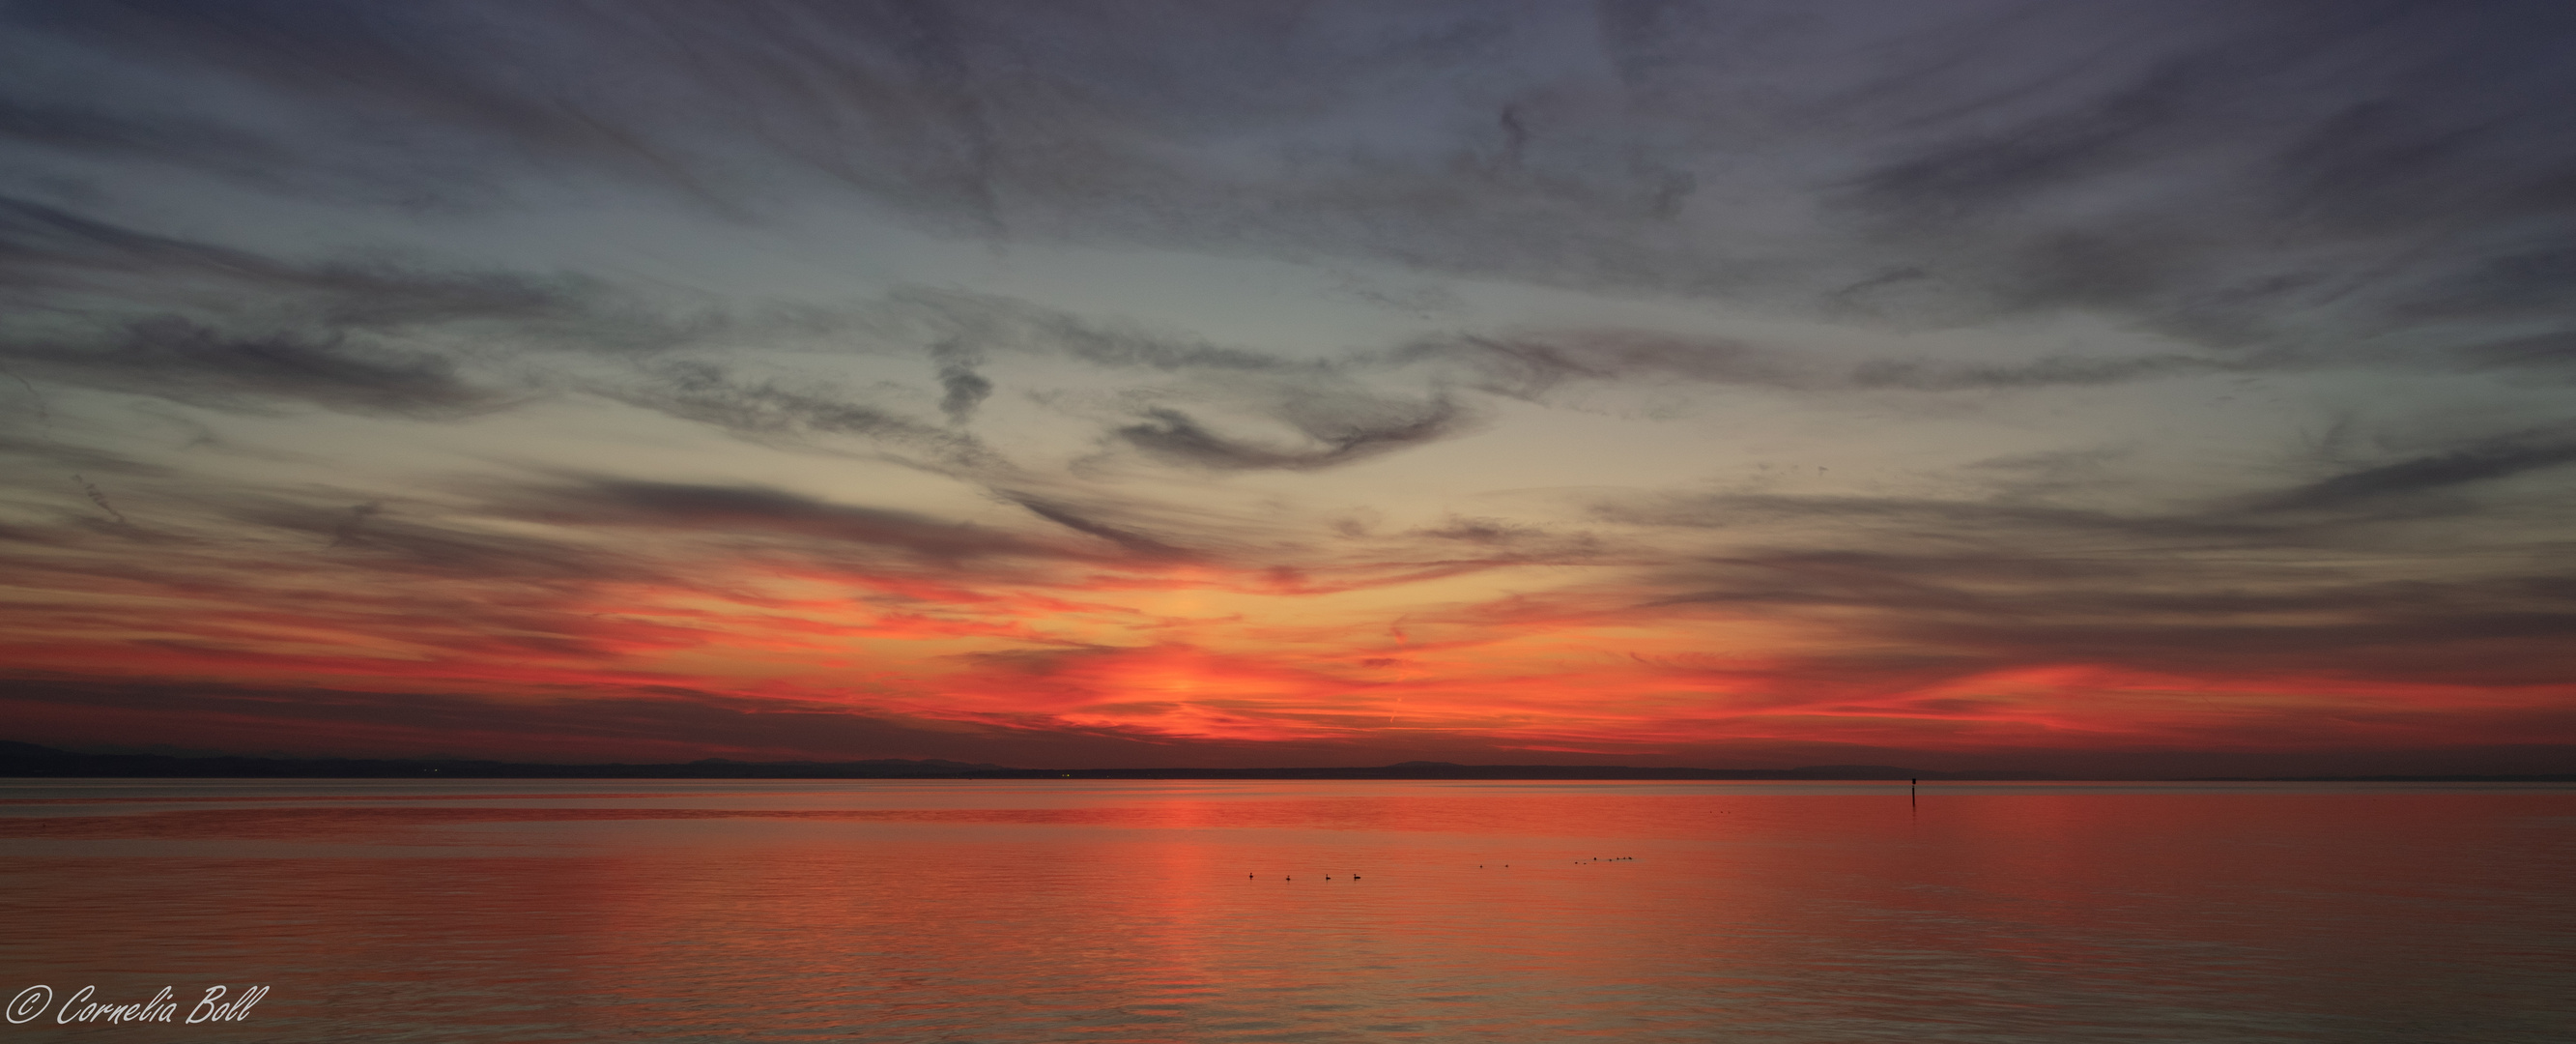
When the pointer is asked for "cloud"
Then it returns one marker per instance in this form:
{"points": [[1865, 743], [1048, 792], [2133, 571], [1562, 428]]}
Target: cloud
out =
{"points": [[418, 543], [1529, 365], [1861, 517], [1929, 376], [2487, 460], [90, 489], [648, 725], [2220, 168], [81, 458], [2109, 211], [1130, 540], [48, 248], [965, 390], [1342, 433], [2543, 352], [348, 528], [709, 394], [235, 329], [2322, 582], [964, 328], [741, 511], [186, 362], [2231, 170], [1342, 406]]}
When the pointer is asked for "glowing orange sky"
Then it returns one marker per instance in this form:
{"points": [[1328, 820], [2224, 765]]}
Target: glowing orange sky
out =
{"points": [[1175, 655], [1899, 393]]}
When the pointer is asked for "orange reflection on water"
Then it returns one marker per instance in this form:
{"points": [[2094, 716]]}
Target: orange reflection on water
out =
{"points": [[1253, 911]]}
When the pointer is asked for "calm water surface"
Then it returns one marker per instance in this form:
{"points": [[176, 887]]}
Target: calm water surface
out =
{"points": [[1010, 911]]}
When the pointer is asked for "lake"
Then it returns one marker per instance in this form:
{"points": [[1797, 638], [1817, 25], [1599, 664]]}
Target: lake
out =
{"points": [[1110, 911]]}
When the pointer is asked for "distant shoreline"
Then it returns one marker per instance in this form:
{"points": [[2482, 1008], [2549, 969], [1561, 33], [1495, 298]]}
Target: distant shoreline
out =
{"points": [[30, 761]]}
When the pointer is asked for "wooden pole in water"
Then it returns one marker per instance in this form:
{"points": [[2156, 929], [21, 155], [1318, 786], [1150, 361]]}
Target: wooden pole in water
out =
{"points": [[1909, 791]]}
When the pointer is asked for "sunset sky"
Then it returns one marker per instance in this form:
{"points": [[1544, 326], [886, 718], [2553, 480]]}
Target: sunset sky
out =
{"points": [[2116, 386]]}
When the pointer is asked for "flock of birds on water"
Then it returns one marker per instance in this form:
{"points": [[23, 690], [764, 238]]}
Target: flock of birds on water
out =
{"points": [[1480, 866]]}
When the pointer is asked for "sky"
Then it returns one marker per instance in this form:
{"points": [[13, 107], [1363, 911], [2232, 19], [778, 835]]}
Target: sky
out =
{"points": [[2111, 387]]}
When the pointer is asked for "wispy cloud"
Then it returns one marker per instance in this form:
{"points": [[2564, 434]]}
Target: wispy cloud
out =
{"points": [[2485, 460], [1106, 380], [180, 360]]}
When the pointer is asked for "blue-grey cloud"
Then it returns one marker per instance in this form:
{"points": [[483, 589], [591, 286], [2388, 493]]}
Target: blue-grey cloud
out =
{"points": [[2483, 461], [2203, 191], [2201, 167], [731, 511], [1337, 440], [181, 360], [1129, 539]]}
